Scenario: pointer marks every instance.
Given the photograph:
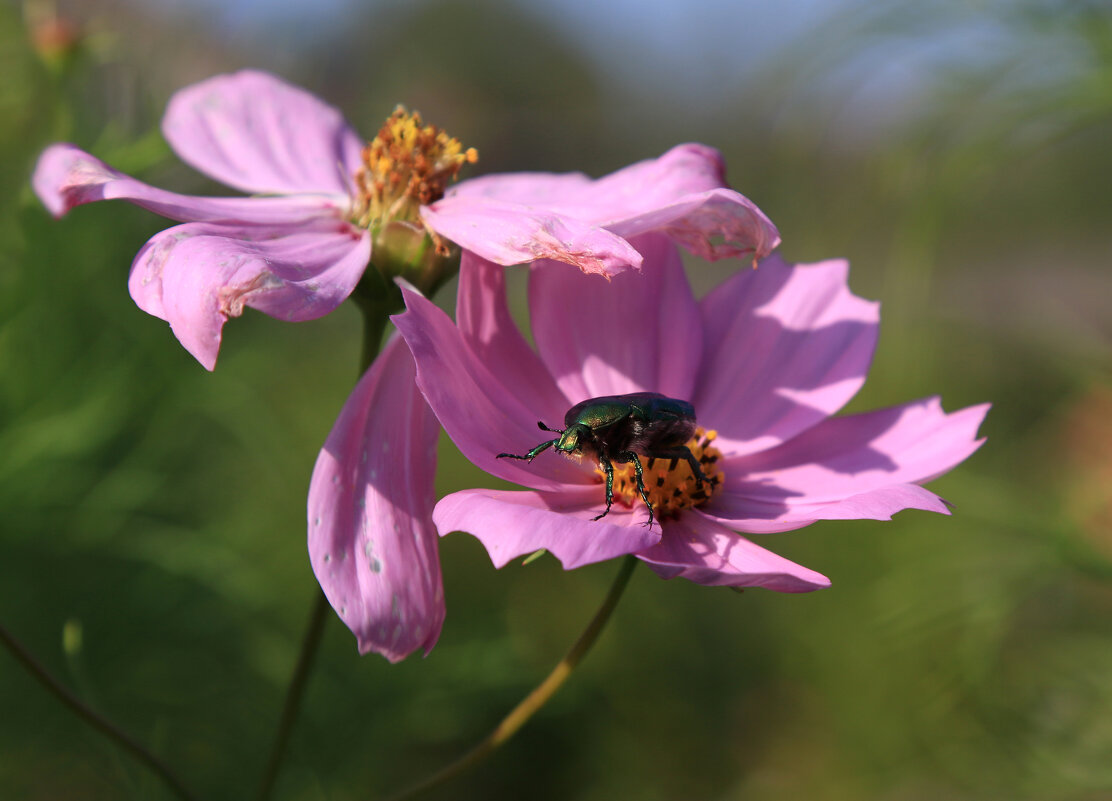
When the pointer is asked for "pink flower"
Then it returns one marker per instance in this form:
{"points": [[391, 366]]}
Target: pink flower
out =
{"points": [[766, 358], [290, 253], [298, 248]]}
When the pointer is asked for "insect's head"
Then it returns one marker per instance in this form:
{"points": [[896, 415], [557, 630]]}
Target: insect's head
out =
{"points": [[570, 438]]}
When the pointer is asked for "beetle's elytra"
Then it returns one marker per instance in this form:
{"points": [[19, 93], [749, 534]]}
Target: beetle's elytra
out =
{"points": [[623, 428]]}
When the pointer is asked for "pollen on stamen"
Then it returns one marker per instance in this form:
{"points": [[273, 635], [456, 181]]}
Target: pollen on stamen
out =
{"points": [[407, 165], [669, 483]]}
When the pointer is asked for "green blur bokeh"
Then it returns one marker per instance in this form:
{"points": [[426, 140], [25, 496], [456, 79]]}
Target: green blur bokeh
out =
{"points": [[154, 512]]}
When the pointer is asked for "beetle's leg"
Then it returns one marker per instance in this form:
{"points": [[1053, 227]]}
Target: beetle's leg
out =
{"points": [[630, 456], [531, 455], [683, 452], [609, 468]]}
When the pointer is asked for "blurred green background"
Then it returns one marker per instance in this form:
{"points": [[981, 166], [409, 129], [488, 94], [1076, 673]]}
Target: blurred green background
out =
{"points": [[957, 153]]}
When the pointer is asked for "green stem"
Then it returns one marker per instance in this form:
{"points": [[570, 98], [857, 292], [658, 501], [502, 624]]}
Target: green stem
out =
{"points": [[294, 693], [538, 697], [377, 298], [375, 316], [105, 727]]}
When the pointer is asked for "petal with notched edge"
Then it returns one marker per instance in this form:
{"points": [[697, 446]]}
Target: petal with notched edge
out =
{"points": [[861, 466]]}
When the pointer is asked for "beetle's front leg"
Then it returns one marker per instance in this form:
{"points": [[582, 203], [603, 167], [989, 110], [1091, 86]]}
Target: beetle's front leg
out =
{"points": [[531, 455], [609, 468], [630, 456]]}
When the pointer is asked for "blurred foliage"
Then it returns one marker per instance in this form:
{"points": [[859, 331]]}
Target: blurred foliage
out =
{"points": [[153, 514]]}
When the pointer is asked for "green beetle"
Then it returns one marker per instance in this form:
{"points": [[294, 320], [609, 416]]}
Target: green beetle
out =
{"points": [[622, 428]]}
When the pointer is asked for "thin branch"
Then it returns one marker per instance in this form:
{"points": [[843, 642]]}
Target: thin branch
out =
{"points": [[375, 318], [294, 693], [538, 697], [94, 719]]}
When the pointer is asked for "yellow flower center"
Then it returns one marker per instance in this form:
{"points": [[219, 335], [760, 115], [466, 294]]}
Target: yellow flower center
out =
{"points": [[407, 165], [669, 483]]}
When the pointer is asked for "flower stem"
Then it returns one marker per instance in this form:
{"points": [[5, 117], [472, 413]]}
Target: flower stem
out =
{"points": [[375, 317], [540, 694], [105, 727], [294, 693]]}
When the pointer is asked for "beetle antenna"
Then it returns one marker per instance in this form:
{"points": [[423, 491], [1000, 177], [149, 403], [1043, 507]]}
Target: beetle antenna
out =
{"points": [[543, 427]]}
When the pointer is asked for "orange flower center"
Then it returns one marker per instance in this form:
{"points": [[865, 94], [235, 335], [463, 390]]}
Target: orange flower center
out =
{"points": [[669, 483]]}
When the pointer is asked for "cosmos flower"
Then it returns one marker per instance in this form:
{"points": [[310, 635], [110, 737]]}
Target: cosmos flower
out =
{"points": [[766, 358], [322, 200]]}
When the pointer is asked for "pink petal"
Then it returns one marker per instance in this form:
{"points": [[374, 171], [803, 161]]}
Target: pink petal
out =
{"points": [[646, 186], [490, 332], [66, 177], [258, 133], [858, 466], [481, 416], [561, 191], [372, 543], [715, 225], [683, 193], [633, 333], [506, 233], [702, 551], [196, 276], [784, 347], [511, 524]]}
